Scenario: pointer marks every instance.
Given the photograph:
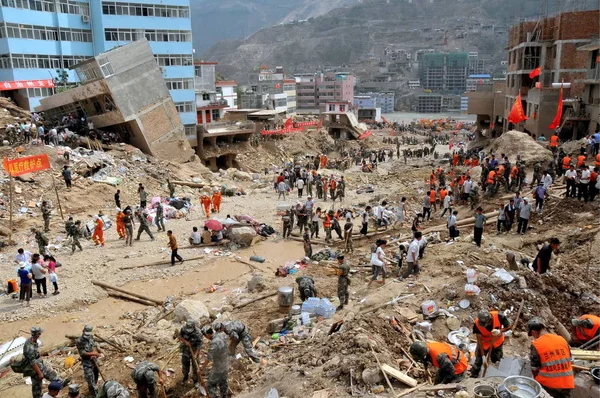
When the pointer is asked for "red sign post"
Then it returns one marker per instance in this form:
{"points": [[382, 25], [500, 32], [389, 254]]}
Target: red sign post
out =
{"points": [[24, 165]]}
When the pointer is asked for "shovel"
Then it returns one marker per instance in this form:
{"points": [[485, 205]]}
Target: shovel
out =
{"points": [[202, 388]]}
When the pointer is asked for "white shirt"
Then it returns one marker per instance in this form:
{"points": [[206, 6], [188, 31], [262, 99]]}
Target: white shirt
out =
{"points": [[300, 183], [547, 181], [570, 174], [315, 217], [375, 257], [447, 199], [413, 252], [364, 216], [585, 176], [46, 395], [23, 258], [195, 238], [400, 209], [451, 221], [467, 186]]}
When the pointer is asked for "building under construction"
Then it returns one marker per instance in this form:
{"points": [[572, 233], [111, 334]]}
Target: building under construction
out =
{"points": [[444, 72]]}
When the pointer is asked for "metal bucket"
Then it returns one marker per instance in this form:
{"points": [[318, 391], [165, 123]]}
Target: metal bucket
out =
{"points": [[285, 296], [296, 310], [484, 391], [522, 387]]}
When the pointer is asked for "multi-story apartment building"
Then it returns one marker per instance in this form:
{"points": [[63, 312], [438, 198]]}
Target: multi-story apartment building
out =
{"points": [[444, 72], [316, 89], [39, 37], [227, 90]]}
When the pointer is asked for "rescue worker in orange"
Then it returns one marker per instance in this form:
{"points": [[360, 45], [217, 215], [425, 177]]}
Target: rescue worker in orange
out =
{"points": [[451, 362], [551, 361], [491, 179], [580, 160], [455, 159], [514, 176], [323, 161], [327, 222], [120, 224], [332, 186], [489, 328], [566, 162], [467, 162], [206, 202], [475, 161], [98, 235], [216, 200], [432, 199], [585, 328], [432, 179], [554, 143]]}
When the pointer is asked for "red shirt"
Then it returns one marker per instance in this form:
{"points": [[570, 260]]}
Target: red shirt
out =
{"points": [[593, 176], [280, 179]]}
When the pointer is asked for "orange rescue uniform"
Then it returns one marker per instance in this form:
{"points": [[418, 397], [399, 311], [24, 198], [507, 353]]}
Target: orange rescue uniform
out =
{"points": [[486, 335], [597, 162], [580, 160], [205, 201], [432, 197], [554, 141], [566, 163], [454, 160], [581, 334], [121, 225], [216, 200], [556, 370], [98, 235], [443, 194], [491, 179], [458, 358]]}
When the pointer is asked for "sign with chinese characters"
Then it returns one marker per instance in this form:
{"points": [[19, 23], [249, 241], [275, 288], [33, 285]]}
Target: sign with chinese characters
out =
{"points": [[15, 85], [282, 131], [27, 164]]}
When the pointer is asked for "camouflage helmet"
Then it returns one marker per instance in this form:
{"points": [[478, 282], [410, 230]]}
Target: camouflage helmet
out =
{"points": [[207, 330], [418, 350], [87, 330], [217, 325], [74, 389], [536, 324], [36, 330], [190, 323], [484, 317]]}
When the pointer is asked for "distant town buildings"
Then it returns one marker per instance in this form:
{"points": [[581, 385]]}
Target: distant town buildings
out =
{"points": [[269, 89], [445, 73], [315, 89], [384, 101], [429, 103], [474, 80], [227, 90]]}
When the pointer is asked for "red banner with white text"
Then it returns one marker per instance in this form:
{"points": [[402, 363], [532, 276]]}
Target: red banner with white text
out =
{"points": [[15, 85]]}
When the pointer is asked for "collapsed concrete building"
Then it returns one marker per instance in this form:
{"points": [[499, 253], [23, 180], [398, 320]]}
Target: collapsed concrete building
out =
{"points": [[123, 91]]}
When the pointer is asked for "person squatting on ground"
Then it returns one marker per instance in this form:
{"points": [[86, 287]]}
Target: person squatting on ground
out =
{"points": [[144, 377], [306, 287]]}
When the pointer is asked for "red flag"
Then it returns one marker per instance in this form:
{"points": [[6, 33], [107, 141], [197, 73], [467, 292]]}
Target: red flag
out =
{"points": [[559, 109], [536, 72], [289, 123], [517, 114]]}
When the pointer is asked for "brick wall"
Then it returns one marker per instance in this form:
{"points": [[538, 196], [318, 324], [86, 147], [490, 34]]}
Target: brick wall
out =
{"points": [[577, 25]]}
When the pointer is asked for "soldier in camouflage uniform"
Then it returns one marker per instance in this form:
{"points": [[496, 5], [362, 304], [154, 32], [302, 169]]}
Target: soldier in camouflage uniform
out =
{"points": [[171, 189], [341, 189], [35, 367], [145, 379], [343, 281], [75, 235], [141, 216], [41, 240], [69, 227], [46, 209], [319, 185], [537, 174], [191, 342], [237, 331], [112, 389], [86, 346], [216, 384], [306, 286]]}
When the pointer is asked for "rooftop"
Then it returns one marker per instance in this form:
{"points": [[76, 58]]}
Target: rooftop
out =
{"points": [[226, 83]]}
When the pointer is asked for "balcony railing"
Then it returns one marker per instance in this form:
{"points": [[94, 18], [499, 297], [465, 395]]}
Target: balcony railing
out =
{"points": [[594, 74]]}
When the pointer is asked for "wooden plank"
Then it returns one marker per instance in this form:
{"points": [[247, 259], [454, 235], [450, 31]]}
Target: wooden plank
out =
{"points": [[406, 392], [437, 387], [585, 354], [398, 375]]}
